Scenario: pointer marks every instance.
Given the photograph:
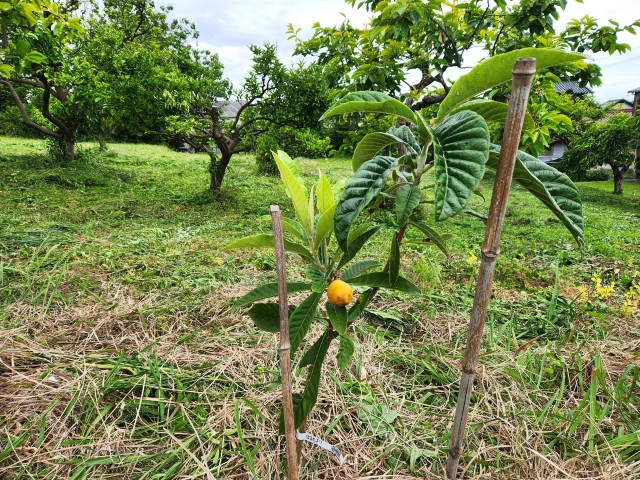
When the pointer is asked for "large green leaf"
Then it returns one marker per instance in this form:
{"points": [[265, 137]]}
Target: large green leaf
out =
{"points": [[358, 237], [369, 147], [266, 316], [300, 320], [361, 303], [551, 187], [22, 46], [303, 404], [407, 200], [432, 235], [405, 134], [312, 354], [496, 70], [268, 290], [266, 240], [345, 351], [317, 276], [363, 187], [424, 131], [370, 102], [337, 317], [295, 189], [491, 111], [288, 225], [358, 268], [35, 57], [324, 226], [293, 227], [324, 194], [303, 407], [6, 70], [381, 279], [372, 143], [461, 149]]}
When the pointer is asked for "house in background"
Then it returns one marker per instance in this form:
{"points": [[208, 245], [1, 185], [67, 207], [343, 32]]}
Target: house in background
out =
{"points": [[572, 88], [636, 99], [558, 147], [228, 108], [620, 105], [554, 153]]}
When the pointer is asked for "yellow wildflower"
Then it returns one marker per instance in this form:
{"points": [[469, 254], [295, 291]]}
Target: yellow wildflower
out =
{"points": [[471, 259]]}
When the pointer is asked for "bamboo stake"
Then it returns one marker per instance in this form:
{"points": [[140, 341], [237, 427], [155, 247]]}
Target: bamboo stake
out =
{"points": [[523, 72], [284, 348]]}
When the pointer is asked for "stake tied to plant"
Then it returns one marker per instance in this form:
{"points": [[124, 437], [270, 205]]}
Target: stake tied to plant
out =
{"points": [[523, 72]]}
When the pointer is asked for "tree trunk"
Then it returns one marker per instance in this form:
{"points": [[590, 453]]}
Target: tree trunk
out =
{"points": [[618, 175], [217, 169], [102, 141], [68, 145]]}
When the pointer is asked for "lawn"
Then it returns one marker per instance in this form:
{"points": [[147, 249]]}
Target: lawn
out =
{"points": [[121, 355]]}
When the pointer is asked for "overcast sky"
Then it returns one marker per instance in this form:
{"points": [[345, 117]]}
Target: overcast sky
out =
{"points": [[227, 28]]}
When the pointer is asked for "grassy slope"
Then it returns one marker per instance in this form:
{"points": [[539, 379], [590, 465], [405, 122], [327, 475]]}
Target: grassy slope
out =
{"points": [[121, 357]]}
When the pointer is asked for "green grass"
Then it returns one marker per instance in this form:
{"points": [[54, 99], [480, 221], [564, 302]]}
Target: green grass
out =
{"points": [[121, 357]]}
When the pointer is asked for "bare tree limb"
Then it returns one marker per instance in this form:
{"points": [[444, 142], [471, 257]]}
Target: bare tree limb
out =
{"points": [[428, 100], [23, 111], [27, 81], [46, 111], [475, 30]]}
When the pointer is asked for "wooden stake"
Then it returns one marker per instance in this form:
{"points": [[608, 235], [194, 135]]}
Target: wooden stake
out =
{"points": [[523, 72], [284, 348]]}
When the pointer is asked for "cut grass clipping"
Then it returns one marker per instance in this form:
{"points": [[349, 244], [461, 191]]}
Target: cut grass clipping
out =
{"points": [[121, 355]]}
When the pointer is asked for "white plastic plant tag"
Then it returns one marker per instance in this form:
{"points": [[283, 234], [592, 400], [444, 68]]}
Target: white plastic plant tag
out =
{"points": [[322, 444]]}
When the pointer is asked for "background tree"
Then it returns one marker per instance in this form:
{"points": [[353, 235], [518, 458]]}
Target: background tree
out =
{"points": [[583, 112], [613, 142], [37, 37], [272, 96], [109, 72], [132, 58]]}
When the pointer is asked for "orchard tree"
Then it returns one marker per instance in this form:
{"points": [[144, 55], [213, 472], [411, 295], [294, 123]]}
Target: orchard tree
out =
{"points": [[109, 71], [134, 57], [613, 142], [271, 95], [37, 37], [411, 48]]}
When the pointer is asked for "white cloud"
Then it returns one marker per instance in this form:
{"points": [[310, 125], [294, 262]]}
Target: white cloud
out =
{"points": [[228, 28]]}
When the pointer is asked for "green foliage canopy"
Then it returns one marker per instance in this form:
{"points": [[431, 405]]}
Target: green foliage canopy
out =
{"points": [[109, 70], [410, 49]]}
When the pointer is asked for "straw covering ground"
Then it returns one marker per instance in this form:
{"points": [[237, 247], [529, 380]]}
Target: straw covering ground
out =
{"points": [[121, 355]]}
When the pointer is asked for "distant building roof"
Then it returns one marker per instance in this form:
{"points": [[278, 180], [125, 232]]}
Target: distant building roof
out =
{"points": [[619, 101], [618, 106], [572, 88], [229, 108]]}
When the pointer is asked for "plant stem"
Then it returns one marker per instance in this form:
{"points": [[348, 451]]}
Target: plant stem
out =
{"points": [[523, 72], [284, 348]]}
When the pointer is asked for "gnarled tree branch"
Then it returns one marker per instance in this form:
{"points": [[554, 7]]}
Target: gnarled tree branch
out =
{"points": [[23, 111]]}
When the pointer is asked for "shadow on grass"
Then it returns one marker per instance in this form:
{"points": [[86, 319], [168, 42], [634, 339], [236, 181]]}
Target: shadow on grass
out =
{"points": [[601, 194]]}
